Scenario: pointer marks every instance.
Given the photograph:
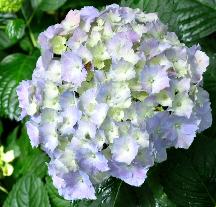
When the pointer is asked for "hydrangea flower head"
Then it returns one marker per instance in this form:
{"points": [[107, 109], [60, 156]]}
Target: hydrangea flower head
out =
{"points": [[112, 90]]}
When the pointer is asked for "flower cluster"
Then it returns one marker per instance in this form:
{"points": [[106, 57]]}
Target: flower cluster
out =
{"points": [[10, 5], [110, 93]]}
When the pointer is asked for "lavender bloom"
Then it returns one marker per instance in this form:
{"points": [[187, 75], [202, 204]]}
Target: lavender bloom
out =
{"points": [[120, 92], [27, 100], [70, 116], [77, 186], [72, 68], [124, 149], [92, 161], [45, 37], [71, 21], [49, 136], [33, 133], [121, 47], [198, 61], [203, 109], [154, 79], [88, 15], [153, 47], [182, 130], [75, 41], [132, 174]]}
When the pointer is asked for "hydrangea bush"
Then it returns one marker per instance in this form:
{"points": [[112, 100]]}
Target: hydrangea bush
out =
{"points": [[112, 90]]}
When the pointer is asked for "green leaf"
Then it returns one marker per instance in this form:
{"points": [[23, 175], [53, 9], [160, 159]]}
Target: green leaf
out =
{"points": [[13, 69], [2, 54], [1, 128], [190, 19], [55, 199], [12, 142], [4, 17], [15, 29], [27, 10], [47, 5], [35, 163], [36, 3], [26, 44], [5, 42], [24, 142], [29, 191], [189, 176], [154, 182], [112, 193], [30, 160], [210, 3], [81, 3], [116, 193]]}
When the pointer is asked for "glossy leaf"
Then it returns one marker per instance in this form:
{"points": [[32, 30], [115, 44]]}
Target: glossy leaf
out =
{"points": [[190, 19], [81, 3], [116, 193], [5, 42], [15, 29], [1, 128], [210, 3], [12, 142], [26, 44], [27, 10], [35, 3], [47, 5], [13, 69], [154, 182], [189, 176], [35, 163], [4, 17], [29, 191], [30, 160], [2, 54]]}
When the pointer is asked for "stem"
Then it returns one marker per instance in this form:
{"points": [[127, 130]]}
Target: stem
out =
{"points": [[117, 193], [3, 190], [31, 35], [30, 18]]}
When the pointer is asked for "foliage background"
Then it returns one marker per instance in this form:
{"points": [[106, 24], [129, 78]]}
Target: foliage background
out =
{"points": [[186, 179]]}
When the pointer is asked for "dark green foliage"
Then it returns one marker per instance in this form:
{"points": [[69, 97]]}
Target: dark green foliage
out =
{"points": [[189, 176], [190, 19], [28, 191], [5, 42], [46, 5], [186, 179], [116, 193], [13, 69], [15, 29]]}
